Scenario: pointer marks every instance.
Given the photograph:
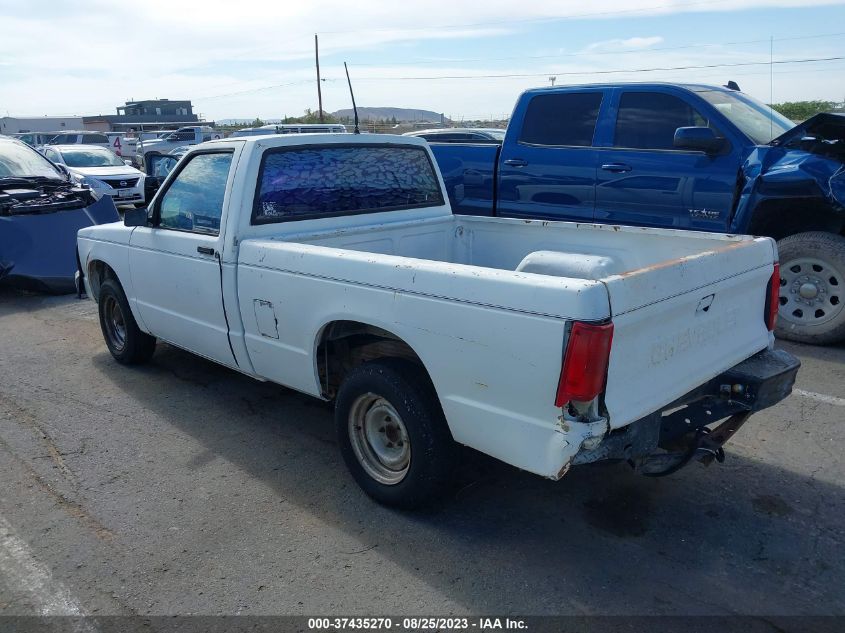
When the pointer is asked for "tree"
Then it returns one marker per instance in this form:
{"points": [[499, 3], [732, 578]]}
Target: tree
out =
{"points": [[802, 110], [311, 117], [257, 123]]}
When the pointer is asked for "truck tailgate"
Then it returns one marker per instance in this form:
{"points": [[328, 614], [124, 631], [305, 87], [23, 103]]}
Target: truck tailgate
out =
{"points": [[681, 322]]}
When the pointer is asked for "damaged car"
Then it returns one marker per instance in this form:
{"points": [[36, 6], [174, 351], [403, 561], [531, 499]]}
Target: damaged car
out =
{"points": [[41, 209], [676, 156]]}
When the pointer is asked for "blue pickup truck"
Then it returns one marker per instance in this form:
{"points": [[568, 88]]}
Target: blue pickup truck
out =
{"points": [[675, 156]]}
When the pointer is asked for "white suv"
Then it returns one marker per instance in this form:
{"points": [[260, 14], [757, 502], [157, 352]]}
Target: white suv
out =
{"points": [[81, 138]]}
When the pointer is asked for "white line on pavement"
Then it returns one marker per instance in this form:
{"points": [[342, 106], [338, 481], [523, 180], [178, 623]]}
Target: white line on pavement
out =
{"points": [[839, 402], [22, 571]]}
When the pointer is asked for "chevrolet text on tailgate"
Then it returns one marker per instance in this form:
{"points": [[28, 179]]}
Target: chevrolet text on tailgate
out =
{"points": [[334, 265]]}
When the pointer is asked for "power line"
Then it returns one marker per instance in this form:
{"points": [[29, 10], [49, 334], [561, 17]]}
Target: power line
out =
{"points": [[526, 75], [260, 89], [602, 72], [579, 54], [591, 53]]}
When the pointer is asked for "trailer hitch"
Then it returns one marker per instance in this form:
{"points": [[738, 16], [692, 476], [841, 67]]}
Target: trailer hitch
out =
{"points": [[704, 444]]}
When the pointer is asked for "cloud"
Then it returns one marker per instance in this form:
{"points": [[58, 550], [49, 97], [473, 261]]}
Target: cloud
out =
{"points": [[87, 56], [631, 43]]}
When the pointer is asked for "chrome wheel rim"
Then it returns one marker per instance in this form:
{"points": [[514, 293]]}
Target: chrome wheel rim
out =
{"points": [[379, 439], [115, 325], [811, 291]]}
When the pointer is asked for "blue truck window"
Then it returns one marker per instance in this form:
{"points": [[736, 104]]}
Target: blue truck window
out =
{"points": [[648, 120], [561, 119], [329, 180]]}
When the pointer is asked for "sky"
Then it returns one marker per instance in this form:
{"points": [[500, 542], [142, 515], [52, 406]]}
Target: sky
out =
{"points": [[256, 59]]}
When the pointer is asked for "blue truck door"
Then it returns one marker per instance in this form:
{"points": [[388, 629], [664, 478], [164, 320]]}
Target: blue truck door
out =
{"points": [[642, 179], [547, 167]]}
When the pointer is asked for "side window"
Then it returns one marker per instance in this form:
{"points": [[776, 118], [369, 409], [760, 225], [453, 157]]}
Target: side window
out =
{"points": [[95, 138], [52, 154], [194, 200], [648, 120], [60, 139], [561, 119], [185, 136]]}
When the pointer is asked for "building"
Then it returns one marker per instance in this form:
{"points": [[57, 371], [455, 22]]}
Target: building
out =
{"points": [[15, 125], [153, 114]]}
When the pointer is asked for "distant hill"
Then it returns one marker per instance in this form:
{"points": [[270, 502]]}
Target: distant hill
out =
{"points": [[387, 114]]}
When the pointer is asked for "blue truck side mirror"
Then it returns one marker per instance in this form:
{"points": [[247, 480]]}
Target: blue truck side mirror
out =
{"points": [[702, 139]]}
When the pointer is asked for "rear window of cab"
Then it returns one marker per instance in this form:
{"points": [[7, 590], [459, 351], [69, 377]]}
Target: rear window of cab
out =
{"points": [[315, 181]]}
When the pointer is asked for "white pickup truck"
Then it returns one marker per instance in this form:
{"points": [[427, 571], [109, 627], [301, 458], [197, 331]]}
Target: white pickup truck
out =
{"points": [[333, 265], [189, 135]]}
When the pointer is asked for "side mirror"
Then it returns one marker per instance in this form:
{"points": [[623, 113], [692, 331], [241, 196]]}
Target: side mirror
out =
{"points": [[127, 162], [135, 217], [62, 169], [702, 139]]}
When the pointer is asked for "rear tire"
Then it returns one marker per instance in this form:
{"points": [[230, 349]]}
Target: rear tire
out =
{"points": [[126, 342], [812, 288], [392, 433]]}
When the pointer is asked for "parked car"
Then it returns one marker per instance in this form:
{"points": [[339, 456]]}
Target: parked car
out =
{"points": [[123, 144], [676, 156], [81, 138], [460, 135], [333, 264], [308, 128], [291, 128], [252, 131], [101, 170], [40, 212], [189, 135], [35, 139]]}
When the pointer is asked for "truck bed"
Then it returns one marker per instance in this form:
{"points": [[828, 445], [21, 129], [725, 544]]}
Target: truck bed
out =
{"points": [[494, 295]]}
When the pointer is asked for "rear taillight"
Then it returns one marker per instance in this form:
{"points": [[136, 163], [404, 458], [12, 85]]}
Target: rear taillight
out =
{"points": [[773, 298], [584, 370]]}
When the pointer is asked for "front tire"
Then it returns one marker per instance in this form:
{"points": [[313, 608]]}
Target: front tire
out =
{"points": [[812, 288], [125, 340], [392, 433]]}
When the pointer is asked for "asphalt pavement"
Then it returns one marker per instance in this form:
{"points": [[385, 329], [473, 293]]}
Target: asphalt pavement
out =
{"points": [[182, 487]]}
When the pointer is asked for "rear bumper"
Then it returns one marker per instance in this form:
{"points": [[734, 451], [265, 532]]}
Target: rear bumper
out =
{"points": [[756, 383]]}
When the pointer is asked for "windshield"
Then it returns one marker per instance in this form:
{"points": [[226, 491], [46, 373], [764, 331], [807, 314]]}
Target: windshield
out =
{"points": [[756, 120], [91, 157], [19, 160]]}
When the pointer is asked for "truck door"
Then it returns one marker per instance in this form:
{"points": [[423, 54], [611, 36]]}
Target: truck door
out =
{"points": [[644, 180], [174, 264], [547, 167]]}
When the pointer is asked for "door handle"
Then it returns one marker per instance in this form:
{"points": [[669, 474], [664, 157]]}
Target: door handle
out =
{"points": [[516, 162], [205, 250], [616, 167]]}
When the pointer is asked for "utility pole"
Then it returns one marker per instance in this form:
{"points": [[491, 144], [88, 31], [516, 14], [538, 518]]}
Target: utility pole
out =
{"points": [[552, 80], [319, 89]]}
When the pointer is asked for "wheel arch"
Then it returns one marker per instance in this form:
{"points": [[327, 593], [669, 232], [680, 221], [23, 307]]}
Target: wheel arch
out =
{"points": [[97, 272], [781, 217], [342, 344]]}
